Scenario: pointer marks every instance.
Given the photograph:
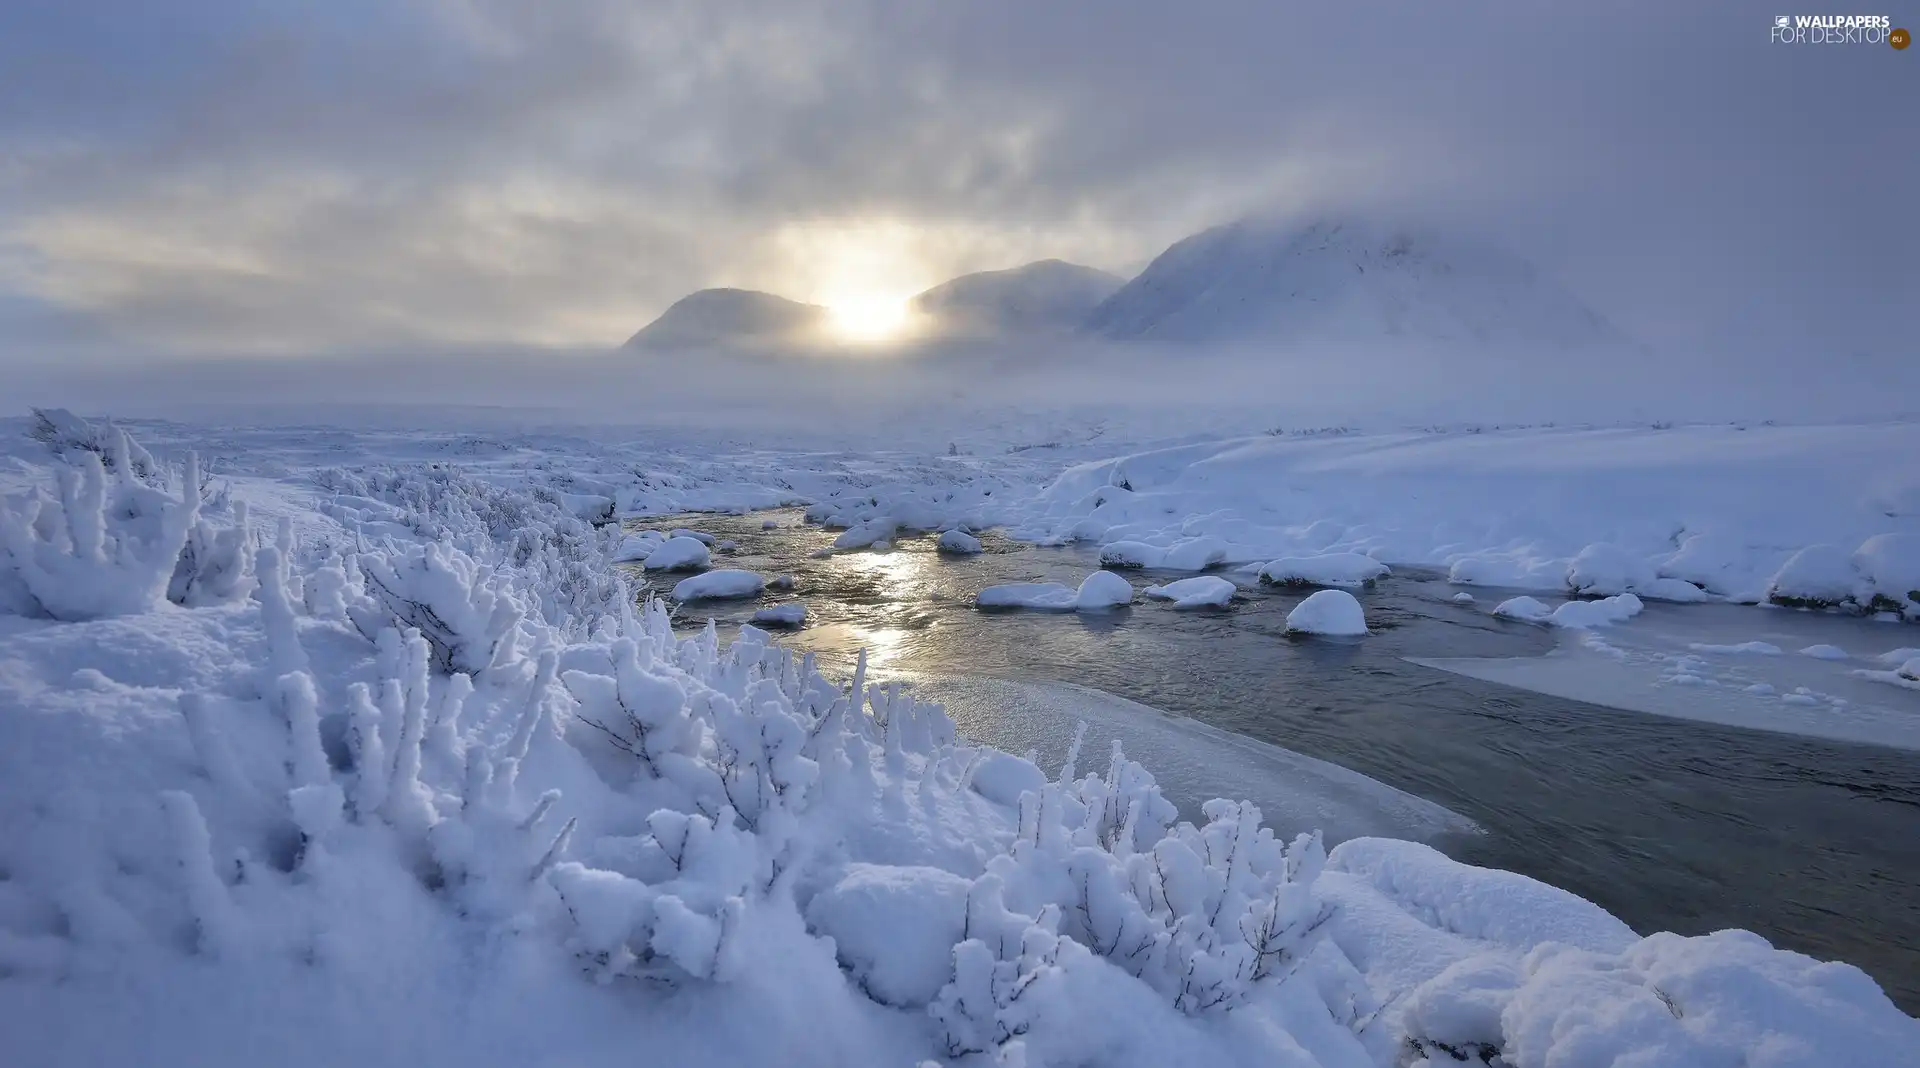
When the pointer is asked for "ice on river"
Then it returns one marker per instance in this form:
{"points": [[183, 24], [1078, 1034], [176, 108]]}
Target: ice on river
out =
{"points": [[1192, 761], [1728, 665]]}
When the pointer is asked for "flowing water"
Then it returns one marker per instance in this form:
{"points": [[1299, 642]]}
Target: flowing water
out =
{"points": [[1670, 824]]}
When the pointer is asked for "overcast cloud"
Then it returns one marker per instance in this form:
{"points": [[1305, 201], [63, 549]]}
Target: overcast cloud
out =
{"points": [[255, 177]]}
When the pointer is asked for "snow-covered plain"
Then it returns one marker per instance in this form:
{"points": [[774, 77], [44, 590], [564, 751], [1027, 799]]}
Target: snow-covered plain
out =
{"points": [[379, 763]]}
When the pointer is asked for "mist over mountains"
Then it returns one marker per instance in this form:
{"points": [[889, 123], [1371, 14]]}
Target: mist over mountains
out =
{"points": [[1249, 282]]}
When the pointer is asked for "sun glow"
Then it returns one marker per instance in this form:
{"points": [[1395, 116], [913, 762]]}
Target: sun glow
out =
{"points": [[868, 319]]}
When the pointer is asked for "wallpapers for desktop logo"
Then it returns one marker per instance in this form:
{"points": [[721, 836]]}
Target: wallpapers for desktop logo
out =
{"points": [[1839, 29]]}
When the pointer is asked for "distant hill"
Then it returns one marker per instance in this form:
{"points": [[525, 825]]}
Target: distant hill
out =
{"points": [[729, 316], [1050, 296], [1340, 279]]}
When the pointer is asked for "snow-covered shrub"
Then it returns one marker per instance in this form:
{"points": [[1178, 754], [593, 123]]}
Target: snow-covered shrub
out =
{"points": [[103, 547], [216, 563], [557, 561], [462, 608], [1202, 915], [71, 437], [999, 974]]}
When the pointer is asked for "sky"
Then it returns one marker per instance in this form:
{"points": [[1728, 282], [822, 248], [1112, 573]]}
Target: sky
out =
{"points": [[263, 178]]}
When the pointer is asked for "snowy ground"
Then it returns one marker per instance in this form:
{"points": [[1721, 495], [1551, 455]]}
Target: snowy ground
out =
{"points": [[379, 764]]}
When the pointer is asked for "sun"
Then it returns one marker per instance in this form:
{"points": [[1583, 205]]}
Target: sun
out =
{"points": [[868, 319]]}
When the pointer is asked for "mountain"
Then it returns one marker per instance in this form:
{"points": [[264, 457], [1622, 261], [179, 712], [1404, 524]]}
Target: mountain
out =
{"points": [[1340, 280], [729, 316], [1051, 296]]}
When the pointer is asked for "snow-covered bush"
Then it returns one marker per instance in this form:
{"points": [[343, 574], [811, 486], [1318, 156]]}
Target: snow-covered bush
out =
{"points": [[557, 561], [1202, 915], [216, 563], [71, 437], [104, 546], [462, 608]]}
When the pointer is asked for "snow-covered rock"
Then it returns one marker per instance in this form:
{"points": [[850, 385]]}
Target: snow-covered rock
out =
{"points": [[1131, 554], [638, 546], [1572, 614], [1889, 564], [1818, 576], [1525, 609], [1201, 591], [791, 614], [1328, 612], [724, 583], [871, 532], [1098, 592], [1602, 570], [1101, 591], [700, 536], [1824, 652], [1194, 554], [1349, 570], [679, 553], [1048, 596], [958, 542]]}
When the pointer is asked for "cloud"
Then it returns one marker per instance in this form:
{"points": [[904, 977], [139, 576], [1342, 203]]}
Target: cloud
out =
{"points": [[249, 177]]}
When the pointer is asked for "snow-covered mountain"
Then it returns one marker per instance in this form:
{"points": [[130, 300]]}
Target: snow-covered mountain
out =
{"points": [[725, 316], [1342, 279], [1050, 296]]}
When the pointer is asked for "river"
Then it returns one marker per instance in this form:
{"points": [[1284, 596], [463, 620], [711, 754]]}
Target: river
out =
{"points": [[1670, 824]]}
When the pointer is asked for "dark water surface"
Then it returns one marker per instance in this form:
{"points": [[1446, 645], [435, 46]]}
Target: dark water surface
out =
{"points": [[1669, 824]]}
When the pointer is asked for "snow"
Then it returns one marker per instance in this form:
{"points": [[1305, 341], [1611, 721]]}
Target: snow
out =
{"points": [[678, 553], [1324, 569], [783, 615], [1824, 652], [1347, 279], [958, 542], [1328, 612], [399, 772], [1201, 591], [700, 536], [719, 584], [1099, 592]]}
